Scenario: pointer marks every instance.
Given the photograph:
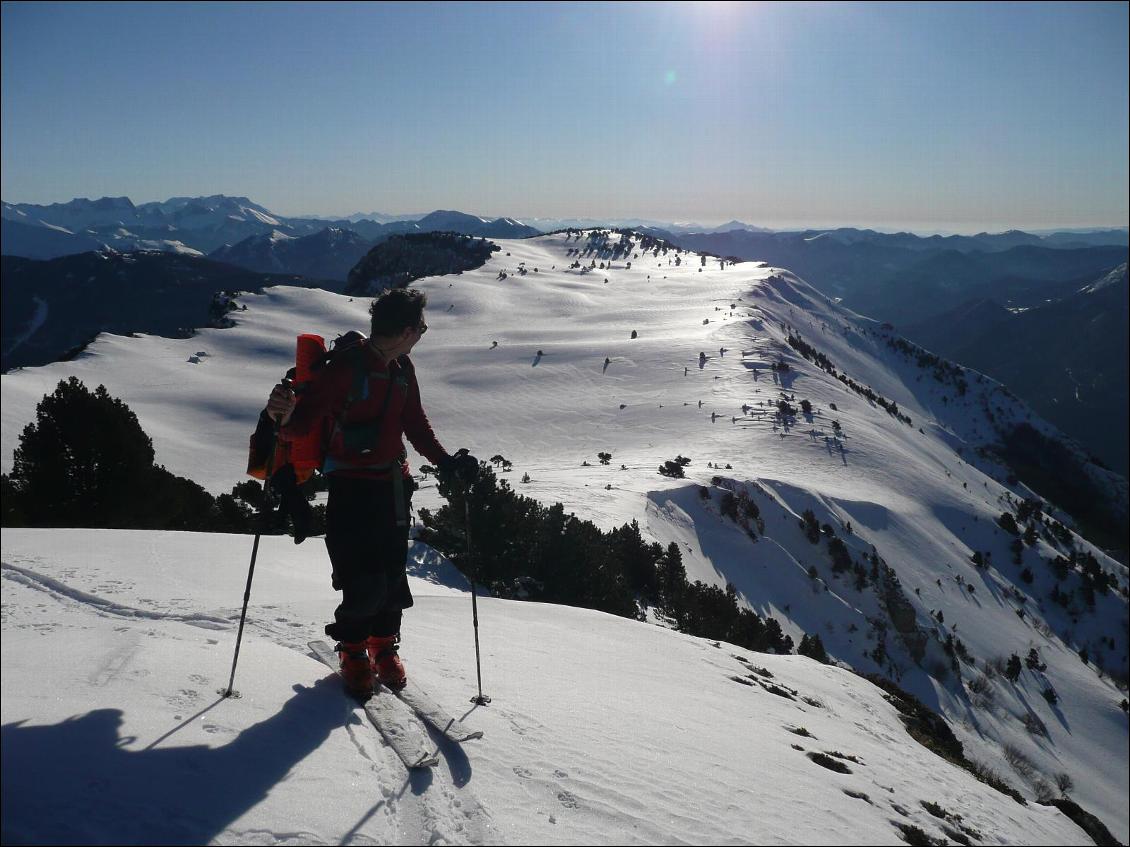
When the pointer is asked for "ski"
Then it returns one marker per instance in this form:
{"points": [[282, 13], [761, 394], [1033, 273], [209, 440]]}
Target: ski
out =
{"points": [[399, 727], [431, 713]]}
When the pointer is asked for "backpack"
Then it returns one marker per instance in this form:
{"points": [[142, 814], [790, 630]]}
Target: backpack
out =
{"points": [[268, 454]]}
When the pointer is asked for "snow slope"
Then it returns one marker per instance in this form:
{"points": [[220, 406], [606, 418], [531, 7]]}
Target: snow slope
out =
{"points": [[601, 729], [544, 398]]}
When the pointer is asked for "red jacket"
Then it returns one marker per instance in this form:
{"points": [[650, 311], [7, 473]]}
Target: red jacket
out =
{"points": [[358, 438]]}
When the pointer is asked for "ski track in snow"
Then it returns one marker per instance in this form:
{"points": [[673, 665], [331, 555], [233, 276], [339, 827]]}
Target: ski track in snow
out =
{"points": [[428, 808], [60, 591]]}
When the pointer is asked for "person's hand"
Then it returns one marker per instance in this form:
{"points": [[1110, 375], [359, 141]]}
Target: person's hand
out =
{"points": [[462, 467], [280, 406]]}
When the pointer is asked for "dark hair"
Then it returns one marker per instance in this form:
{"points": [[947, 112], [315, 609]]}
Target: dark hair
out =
{"points": [[395, 310]]}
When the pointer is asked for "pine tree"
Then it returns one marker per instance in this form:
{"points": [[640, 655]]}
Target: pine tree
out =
{"points": [[81, 460], [813, 647], [1012, 669]]}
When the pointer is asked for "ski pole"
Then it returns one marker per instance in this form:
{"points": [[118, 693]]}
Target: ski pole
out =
{"points": [[481, 699], [229, 692]]}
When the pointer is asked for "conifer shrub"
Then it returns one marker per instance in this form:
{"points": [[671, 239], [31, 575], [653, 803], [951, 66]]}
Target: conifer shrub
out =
{"points": [[1008, 523], [86, 462], [558, 558], [913, 835], [729, 506], [934, 809], [841, 558], [749, 507], [826, 761], [785, 409], [813, 647], [810, 526], [674, 468]]}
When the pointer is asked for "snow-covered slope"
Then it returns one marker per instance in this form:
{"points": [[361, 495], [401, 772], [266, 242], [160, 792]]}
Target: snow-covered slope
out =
{"points": [[699, 381], [600, 730]]}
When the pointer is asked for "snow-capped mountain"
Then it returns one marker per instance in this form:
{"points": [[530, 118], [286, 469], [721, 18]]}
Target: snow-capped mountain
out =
{"points": [[78, 214], [643, 224], [326, 255], [557, 348], [464, 224], [199, 225], [192, 225], [186, 210]]}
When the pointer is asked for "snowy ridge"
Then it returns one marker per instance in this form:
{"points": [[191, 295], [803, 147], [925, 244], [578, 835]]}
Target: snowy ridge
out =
{"points": [[701, 379]]}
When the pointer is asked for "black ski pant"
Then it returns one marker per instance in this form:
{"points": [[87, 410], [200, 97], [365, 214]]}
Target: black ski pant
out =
{"points": [[368, 552]]}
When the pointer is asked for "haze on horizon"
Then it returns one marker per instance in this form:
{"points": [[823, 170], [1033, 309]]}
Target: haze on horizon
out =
{"points": [[923, 117]]}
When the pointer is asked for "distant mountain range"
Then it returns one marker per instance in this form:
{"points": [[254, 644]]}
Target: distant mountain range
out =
{"points": [[219, 224], [327, 255], [881, 275], [240, 231], [1067, 357]]}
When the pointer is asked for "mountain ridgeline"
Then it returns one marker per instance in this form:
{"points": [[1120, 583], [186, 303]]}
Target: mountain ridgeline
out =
{"points": [[403, 258], [231, 229], [1046, 317], [52, 309]]}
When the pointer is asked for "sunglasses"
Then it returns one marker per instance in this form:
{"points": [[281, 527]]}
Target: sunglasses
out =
{"points": [[422, 328]]}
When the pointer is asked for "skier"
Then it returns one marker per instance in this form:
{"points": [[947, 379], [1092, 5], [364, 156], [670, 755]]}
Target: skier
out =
{"points": [[360, 404]]}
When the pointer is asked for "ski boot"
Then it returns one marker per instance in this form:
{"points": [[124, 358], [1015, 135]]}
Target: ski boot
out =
{"points": [[386, 662], [355, 668]]}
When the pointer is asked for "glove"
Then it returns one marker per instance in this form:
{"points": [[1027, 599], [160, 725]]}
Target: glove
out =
{"points": [[292, 503], [462, 468]]}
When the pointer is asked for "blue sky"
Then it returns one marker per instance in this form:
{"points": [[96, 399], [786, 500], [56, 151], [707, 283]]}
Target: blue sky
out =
{"points": [[961, 117]]}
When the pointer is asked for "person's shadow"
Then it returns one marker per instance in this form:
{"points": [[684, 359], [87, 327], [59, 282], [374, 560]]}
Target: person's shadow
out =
{"points": [[76, 783]]}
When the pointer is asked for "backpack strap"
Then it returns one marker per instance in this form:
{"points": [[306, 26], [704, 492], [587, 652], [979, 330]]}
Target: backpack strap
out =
{"points": [[361, 437]]}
